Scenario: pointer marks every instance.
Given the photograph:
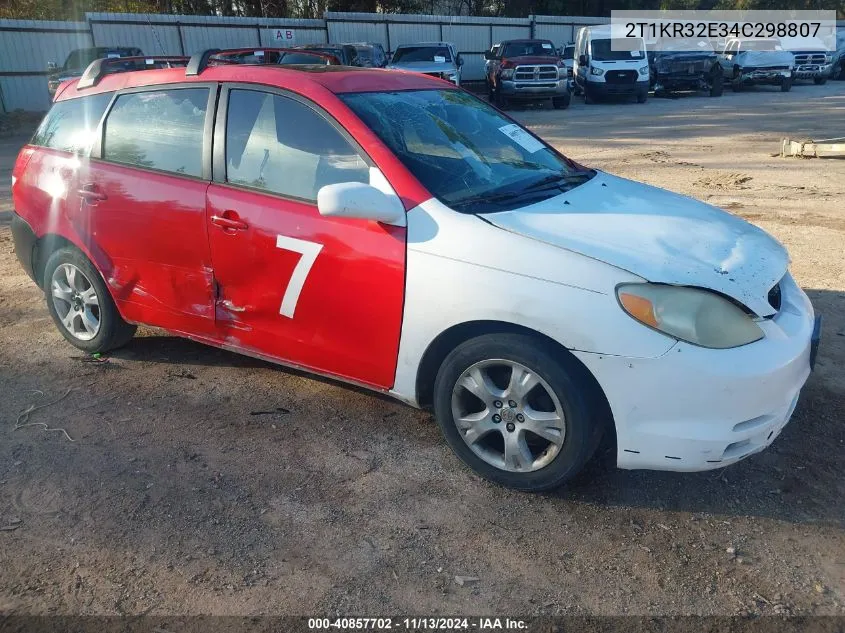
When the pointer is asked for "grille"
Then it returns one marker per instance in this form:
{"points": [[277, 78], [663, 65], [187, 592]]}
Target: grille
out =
{"points": [[809, 58], [775, 297], [621, 76], [535, 73]]}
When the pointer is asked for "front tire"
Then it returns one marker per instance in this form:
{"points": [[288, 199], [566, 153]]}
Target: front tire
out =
{"points": [[717, 84], [515, 414], [820, 81], [561, 103], [80, 304], [786, 84]]}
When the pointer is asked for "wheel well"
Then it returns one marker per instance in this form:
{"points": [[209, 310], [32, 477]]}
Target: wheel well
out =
{"points": [[448, 340], [44, 247]]}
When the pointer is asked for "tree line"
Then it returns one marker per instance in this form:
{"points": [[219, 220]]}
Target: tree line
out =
{"points": [[76, 9]]}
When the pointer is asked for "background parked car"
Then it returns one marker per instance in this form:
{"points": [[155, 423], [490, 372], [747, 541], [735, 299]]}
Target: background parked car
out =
{"points": [[438, 59], [528, 70], [838, 61], [812, 59], [748, 62], [346, 53], [278, 56], [610, 67], [370, 54], [77, 61], [684, 64]]}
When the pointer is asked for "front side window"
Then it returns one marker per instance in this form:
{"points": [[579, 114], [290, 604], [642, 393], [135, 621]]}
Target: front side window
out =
{"points": [[529, 49], [160, 129], [283, 146], [463, 151], [433, 54], [569, 52], [71, 125]]}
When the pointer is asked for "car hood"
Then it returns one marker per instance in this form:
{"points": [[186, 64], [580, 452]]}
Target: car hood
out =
{"points": [[658, 235], [683, 56], [765, 58], [424, 67], [534, 60]]}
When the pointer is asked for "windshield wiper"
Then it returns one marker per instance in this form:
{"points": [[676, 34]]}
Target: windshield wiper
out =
{"points": [[560, 182]]}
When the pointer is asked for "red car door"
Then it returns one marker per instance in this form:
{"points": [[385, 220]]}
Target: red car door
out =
{"points": [[143, 201], [292, 285]]}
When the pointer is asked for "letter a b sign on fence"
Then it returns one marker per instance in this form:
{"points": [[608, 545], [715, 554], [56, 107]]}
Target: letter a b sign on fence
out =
{"points": [[282, 36]]}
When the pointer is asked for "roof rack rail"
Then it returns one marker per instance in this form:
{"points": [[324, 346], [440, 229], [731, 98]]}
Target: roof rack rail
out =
{"points": [[200, 61], [99, 68]]}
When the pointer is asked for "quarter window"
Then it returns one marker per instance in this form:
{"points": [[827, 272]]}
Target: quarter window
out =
{"points": [[161, 129], [71, 125], [281, 145]]}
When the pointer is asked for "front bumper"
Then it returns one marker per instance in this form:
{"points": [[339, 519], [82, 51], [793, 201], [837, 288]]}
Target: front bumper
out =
{"points": [[812, 71], [681, 81], [604, 89], [25, 240], [697, 409], [533, 90], [763, 76]]}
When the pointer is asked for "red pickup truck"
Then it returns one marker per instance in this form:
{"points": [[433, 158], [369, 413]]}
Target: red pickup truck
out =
{"points": [[526, 70]]}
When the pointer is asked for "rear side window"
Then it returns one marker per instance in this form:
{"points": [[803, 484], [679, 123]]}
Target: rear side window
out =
{"points": [[282, 146], [160, 129], [71, 125]]}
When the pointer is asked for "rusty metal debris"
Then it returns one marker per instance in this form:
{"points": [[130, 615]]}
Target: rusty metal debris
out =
{"points": [[822, 148]]}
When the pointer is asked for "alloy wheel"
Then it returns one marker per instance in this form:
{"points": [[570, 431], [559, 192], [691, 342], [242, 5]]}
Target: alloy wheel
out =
{"points": [[508, 415]]}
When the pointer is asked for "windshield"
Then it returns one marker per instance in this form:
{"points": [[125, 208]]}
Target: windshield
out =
{"points": [[528, 49], [434, 54], [761, 45], [683, 44], [289, 59], [603, 50], [463, 151], [569, 52]]}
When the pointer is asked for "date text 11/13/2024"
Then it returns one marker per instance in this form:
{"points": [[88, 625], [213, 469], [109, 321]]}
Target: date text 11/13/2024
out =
{"points": [[417, 623]]}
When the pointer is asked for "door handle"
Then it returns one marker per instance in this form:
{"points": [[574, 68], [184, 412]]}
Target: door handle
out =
{"points": [[90, 193], [226, 221]]}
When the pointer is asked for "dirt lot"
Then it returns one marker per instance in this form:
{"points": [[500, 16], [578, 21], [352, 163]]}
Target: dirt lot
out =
{"points": [[176, 497]]}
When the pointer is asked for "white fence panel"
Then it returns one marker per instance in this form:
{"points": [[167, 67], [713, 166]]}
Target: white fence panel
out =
{"points": [[510, 33], [153, 34], [413, 33], [26, 46], [345, 31], [25, 92], [199, 38]]}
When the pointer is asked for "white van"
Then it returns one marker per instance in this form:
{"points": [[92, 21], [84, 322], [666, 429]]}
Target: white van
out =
{"points": [[605, 66]]}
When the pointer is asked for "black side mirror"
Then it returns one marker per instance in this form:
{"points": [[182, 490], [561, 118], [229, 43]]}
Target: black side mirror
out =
{"points": [[488, 55], [460, 61], [582, 60]]}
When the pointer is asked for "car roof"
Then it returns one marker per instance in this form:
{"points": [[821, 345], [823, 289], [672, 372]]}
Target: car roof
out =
{"points": [[307, 79], [525, 41]]}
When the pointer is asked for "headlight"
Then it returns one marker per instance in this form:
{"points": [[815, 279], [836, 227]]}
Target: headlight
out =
{"points": [[644, 70], [697, 316], [507, 73], [828, 59], [596, 71]]}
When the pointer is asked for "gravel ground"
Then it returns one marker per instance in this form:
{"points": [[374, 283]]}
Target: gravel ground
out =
{"points": [[176, 496]]}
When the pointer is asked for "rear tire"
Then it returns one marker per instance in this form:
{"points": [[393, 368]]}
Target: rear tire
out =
{"points": [[786, 84], [80, 304], [494, 391]]}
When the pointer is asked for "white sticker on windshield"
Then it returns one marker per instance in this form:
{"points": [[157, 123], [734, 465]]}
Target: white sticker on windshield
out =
{"points": [[113, 56], [546, 45], [521, 137], [439, 59], [635, 53]]}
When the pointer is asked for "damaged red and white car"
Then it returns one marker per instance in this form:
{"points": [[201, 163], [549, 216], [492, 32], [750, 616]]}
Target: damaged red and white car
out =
{"points": [[393, 231]]}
